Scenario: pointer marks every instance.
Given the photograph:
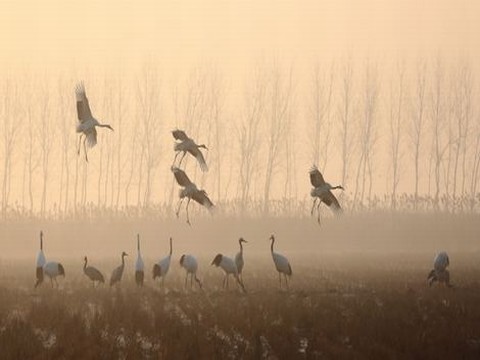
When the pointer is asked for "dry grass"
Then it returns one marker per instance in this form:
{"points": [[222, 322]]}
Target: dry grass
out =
{"points": [[345, 301]]}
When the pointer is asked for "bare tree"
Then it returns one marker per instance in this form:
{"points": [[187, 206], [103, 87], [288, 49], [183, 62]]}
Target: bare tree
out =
{"points": [[320, 111], [249, 134], [437, 122], [417, 124], [148, 96], [344, 112], [396, 120], [46, 135], [462, 100], [216, 102], [367, 134], [64, 102], [10, 113], [278, 117]]}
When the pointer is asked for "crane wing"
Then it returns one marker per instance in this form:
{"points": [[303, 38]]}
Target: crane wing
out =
{"points": [[179, 135], [316, 177], [92, 138], [181, 177], [202, 198], [331, 201], [199, 156], [83, 108]]}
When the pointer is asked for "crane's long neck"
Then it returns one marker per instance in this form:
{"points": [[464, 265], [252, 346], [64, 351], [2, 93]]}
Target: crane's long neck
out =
{"points": [[241, 247], [271, 246], [123, 260], [170, 246], [41, 240], [85, 264], [337, 187], [138, 244]]}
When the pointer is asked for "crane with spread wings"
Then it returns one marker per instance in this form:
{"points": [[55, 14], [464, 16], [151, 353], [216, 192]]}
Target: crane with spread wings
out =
{"points": [[321, 192], [86, 122], [190, 191], [187, 145]]}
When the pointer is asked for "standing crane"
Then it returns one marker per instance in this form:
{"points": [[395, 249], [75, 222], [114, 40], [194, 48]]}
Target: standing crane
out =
{"points": [[321, 192], [189, 191], [281, 264], [186, 144], [239, 258], [53, 269], [118, 272], [86, 122], [139, 265], [93, 273], [439, 272], [190, 264], [229, 268], [160, 269], [40, 262]]}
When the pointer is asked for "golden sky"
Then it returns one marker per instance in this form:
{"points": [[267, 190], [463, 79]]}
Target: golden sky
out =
{"points": [[93, 33]]}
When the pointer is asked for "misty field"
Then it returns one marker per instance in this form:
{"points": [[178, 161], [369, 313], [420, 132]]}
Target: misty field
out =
{"points": [[358, 290]]}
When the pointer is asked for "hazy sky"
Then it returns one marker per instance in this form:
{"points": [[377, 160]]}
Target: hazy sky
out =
{"points": [[91, 33], [83, 38]]}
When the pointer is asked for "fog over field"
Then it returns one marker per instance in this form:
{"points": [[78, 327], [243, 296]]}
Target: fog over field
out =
{"points": [[379, 97]]}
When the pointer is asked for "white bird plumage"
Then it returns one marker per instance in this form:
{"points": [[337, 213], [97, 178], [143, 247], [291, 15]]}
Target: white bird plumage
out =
{"points": [[321, 192], [53, 269], [281, 264], [439, 272], [86, 122], [41, 260], [139, 265], [190, 264], [186, 144], [189, 191], [118, 271], [160, 269], [229, 268]]}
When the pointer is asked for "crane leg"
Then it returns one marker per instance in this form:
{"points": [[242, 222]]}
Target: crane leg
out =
{"points": [[178, 208], [191, 281], [79, 144], [85, 148], [318, 211], [313, 207], [186, 280], [286, 281], [240, 282], [280, 280], [163, 282], [175, 159], [198, 282], [188, 218], [228, 276], [181, 159], [224, 281]]}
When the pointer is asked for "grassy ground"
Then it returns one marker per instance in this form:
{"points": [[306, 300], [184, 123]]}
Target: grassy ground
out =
{"points": [[343, 309], [351, 295]]}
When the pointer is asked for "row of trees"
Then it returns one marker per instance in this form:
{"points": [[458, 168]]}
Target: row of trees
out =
{"points": [[407, 134]]}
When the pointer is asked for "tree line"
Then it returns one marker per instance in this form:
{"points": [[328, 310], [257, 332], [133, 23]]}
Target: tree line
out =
{"points": [[402, 136]]}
